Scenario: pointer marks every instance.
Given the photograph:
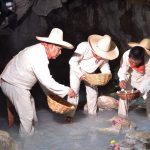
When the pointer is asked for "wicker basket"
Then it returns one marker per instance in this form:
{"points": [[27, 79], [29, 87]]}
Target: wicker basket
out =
{"points": [[99, 79], [58, 105], [129, 94]]}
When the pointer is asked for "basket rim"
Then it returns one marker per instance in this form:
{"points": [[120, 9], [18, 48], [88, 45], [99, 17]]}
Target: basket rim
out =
{"points": [[128, 96], [98, 79], [61, 101], [59, 106]]}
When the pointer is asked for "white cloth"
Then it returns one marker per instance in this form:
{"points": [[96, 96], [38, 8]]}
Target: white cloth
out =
{"points": [[29, 66], [134, 80], [21, 73], [24, 105], [123, 108], [83, 62]]}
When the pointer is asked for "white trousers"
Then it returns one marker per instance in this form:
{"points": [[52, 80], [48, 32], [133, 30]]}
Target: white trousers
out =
{"points": [[91, 94], [24, 105], [124, 105]]}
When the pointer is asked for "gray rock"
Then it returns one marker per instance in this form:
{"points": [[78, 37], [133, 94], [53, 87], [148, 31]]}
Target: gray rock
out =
{"points": [[6, 142], [139, 135]]}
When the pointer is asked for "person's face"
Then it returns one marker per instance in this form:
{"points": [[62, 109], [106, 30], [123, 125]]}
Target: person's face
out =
{"points": [[135, 63], [54, 50]]}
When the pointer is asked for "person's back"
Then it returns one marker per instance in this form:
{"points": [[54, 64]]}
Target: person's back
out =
{"points": [[19, 71]]}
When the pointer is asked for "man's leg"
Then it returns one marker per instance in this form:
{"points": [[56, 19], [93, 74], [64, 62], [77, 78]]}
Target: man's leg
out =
{"points": [[34, 109], [92, 94], [75, 85], [20, 98]]}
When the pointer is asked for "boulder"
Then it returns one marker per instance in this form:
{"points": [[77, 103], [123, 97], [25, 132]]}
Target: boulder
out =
{"points": [[6, 142]]}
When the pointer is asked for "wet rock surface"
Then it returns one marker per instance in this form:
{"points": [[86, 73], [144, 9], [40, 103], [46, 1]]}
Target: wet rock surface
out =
{"points": [[136, 140], [6, 141]]}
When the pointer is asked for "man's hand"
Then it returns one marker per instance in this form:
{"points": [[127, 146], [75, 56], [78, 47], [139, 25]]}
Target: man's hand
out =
{"points": [[122, 84], [83, 77], [71, 93]]}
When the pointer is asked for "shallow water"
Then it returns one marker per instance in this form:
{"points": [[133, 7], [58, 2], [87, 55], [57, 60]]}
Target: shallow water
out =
{"points": [[52, 133]]}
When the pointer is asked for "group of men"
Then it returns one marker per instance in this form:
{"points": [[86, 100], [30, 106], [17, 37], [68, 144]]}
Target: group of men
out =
{"points": [[31, 65]]}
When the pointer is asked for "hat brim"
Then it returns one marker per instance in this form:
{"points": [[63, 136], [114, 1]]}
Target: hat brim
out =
{"points": [[133, 44], [113, 53], [56, 42]]}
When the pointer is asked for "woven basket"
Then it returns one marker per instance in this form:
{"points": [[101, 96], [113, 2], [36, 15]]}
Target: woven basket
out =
{"points": [[99, 79], [129, 94], [58, 105]]}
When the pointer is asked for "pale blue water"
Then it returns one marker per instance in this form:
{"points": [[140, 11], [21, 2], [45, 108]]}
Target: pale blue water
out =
{"points": [[52, 133]]}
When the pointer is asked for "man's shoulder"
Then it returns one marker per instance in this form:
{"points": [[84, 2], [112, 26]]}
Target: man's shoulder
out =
{"points": [[33, 51], [84, 44], [36, 48], [38, 45]]}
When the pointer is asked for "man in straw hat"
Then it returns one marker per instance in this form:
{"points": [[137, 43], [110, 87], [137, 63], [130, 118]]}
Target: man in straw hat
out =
{"points": [[134, 72], [88, 57], [25, 69]]}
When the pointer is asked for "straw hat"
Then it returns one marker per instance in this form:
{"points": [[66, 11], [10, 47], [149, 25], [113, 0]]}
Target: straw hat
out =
{"points": [[145, 43], [103, 46], [56, 37]]}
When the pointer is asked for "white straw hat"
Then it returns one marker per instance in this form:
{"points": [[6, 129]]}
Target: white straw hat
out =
{"points": [[56, 37], [145, 43], [103, 46]]}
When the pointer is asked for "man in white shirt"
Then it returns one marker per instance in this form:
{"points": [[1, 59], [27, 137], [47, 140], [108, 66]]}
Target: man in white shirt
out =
{"points": [[25, 69], [87, 58], [134, 72]]}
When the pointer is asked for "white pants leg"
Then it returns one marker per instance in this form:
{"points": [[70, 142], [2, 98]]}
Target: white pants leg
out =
{"points": [[75, 85], [34, 109], [91, 94], [21, 99]]}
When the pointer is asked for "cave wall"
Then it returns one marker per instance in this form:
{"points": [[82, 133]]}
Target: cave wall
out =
{"points": [[123, 20]]}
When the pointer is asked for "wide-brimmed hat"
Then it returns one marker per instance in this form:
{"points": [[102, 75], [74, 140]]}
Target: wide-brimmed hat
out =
{"points": [[56, 37], [145, 43], [103, 46]]}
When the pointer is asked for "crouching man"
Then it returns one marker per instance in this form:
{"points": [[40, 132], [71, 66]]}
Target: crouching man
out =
{"points": [[134, 72]]}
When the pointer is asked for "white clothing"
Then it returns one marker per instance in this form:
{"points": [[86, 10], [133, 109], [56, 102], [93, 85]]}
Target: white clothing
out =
{"points": [[29, 66], [83, 62], [24, 105], [19, 76], [136, 80]]}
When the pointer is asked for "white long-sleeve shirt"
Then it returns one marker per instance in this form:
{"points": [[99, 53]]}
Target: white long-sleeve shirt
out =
{"points": [[83, 61], [126, 71], [29, 66]]}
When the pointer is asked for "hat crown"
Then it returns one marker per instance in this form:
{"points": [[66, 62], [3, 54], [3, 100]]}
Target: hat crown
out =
{"points": [[104, 43], [103, 46], [56, 34]]}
